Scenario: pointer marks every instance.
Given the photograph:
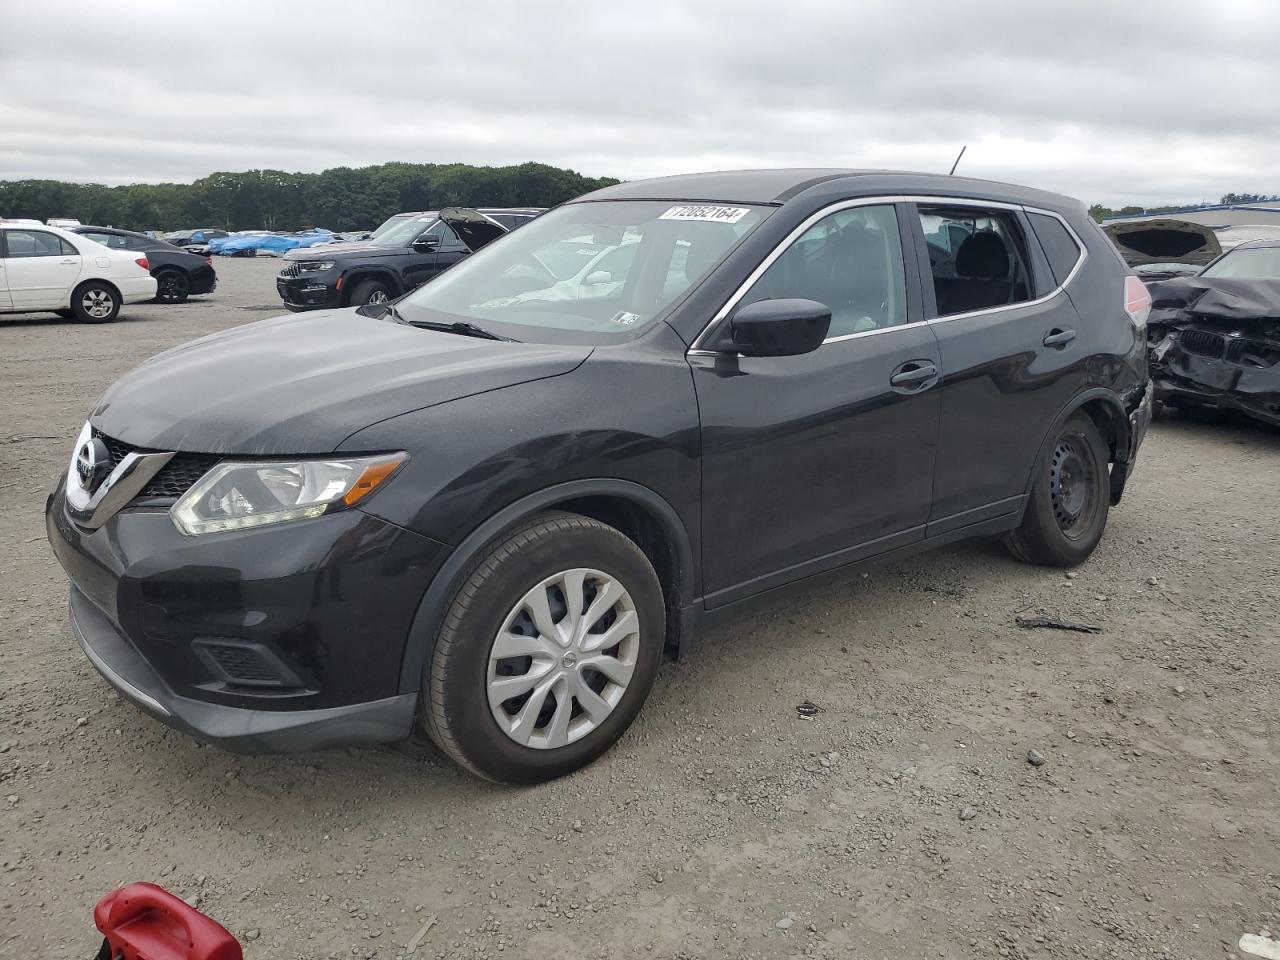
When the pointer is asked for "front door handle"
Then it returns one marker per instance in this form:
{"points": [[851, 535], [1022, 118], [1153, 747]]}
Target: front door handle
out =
{"points": [[914, 376], [1057, 337]]}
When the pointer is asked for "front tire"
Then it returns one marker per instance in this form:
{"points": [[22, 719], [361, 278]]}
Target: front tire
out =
{"points": [[95, 302], [547, 652], [370, 291], [1069, 501], [172, 286]]}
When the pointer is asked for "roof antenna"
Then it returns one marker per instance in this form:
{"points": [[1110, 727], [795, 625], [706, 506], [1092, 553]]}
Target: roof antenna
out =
{"points": [[957, 163]]}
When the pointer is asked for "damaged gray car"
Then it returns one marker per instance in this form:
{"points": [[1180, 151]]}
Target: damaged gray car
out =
{"points": [[1214, 338]]}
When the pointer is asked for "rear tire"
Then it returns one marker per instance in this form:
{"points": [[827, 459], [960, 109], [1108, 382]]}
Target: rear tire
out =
{"points": [[1070, 498], [575, 683], [370, 291], [95, 301], [172, 286]]}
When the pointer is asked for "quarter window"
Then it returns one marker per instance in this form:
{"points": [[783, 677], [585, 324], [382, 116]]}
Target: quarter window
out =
{"points": [[24, 244], [851, 261], [1060, 248], [977, 257]]}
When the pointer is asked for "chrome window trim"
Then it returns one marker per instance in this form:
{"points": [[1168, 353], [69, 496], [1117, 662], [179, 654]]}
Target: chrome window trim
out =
{"points": [[697, 350]]}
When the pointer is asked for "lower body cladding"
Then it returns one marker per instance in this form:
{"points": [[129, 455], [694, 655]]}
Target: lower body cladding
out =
{"points": [[309, 293], [283, 639], [1217, 366]]}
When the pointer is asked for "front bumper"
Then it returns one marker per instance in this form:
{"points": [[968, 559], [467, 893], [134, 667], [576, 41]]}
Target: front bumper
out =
{"points": [[238, 729], [282, 638], [309, 292]]}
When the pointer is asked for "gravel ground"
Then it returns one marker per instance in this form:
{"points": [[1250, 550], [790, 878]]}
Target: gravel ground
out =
{"points": [[902, 820]]}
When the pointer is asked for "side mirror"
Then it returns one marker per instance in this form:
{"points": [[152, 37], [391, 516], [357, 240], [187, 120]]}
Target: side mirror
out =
{"points": [[597, 277], [777, 328], [426, 244]]}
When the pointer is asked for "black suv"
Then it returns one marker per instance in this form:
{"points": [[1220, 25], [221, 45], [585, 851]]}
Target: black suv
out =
{"points": [[179, 273], [404, 255], [488, 509]]}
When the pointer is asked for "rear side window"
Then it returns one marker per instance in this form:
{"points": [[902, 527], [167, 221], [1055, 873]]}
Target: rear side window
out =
{"points": [[1059, 246], [978, 258], [113, 240]]}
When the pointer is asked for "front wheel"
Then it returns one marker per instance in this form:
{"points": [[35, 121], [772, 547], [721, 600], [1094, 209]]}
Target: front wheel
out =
{"points": [[1069, 501], [370, 291], [547, 652], [95, 302]]}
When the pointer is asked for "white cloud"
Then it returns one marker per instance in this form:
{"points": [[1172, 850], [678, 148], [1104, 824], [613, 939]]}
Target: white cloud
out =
{"points": [[1144, 101]]}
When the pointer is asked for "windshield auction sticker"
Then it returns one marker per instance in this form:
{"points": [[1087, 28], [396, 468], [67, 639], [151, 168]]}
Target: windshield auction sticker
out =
{"points": [[706, 212]]}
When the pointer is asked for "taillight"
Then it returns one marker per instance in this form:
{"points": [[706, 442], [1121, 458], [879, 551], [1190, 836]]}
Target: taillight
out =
{"points": [[209, 261], [142, 262], [1137, 301]]}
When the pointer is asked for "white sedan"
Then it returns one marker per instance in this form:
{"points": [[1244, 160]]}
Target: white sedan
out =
{"points": [[47, 269]]}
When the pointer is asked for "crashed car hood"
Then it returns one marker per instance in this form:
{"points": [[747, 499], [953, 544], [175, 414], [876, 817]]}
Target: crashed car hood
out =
{"points": [[304, 383], [1163, 241], [1224, 298]]}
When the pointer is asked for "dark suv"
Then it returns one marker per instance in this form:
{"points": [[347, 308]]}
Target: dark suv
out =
{"points": [[402, 256], [489, 509]]}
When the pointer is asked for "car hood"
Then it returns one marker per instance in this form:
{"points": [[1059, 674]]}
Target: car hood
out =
{"points": [[1163, 241], [363, 249], [304, 383]]}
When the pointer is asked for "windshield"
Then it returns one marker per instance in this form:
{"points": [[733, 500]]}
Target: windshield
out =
{"points": [[1253, 263], [593, 271], [403, 232]]}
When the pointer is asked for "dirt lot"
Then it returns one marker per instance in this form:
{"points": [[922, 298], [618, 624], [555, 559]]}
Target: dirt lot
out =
{"points": [[904, 820]]}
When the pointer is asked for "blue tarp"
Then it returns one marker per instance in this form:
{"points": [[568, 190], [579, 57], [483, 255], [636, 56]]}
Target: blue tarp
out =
{"points": [[230, 246]]}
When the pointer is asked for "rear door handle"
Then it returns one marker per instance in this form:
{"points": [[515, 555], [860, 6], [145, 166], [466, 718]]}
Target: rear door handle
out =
{"points": [[914, 376], [1057, 337]]}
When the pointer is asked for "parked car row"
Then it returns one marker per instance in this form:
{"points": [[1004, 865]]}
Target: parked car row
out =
{"points": [[45, 268]]}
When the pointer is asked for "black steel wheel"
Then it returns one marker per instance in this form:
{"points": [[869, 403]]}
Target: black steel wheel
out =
{"points": [[1070, 498]]}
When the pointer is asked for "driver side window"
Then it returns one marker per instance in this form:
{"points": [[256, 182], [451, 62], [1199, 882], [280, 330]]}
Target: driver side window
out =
{"points": [[851, 261]]}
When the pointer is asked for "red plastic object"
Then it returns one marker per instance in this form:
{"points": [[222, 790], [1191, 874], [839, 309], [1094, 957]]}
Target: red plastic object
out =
{"points": [[146, 922]]}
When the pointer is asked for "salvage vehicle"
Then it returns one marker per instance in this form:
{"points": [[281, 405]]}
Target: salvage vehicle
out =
{"points": [[1215, 338], [179, 274], [405, 256], [1162, 249], [194, 238], [486, 515], [45, 269]]}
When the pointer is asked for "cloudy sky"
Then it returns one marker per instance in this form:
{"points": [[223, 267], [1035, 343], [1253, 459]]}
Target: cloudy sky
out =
{"points": [[1113, 101]]}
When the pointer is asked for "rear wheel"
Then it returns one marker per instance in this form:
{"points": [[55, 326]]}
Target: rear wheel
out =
{"points": [[95, 302], [547, 652], [1070, 499], [370, 291], [172, 286]]}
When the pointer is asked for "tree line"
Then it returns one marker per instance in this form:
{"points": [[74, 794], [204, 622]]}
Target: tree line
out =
{"points": [[343, 198], [1100, 213]]}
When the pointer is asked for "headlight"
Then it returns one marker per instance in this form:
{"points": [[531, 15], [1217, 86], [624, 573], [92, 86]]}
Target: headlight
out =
{"points": [[314, 266], [234, 496]]}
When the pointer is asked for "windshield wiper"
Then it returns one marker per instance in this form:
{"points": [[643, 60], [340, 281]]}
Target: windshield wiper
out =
{"points": [[460, 327]]}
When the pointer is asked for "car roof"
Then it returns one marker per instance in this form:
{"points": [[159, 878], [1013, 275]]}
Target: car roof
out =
{"points": [[779, 186]]}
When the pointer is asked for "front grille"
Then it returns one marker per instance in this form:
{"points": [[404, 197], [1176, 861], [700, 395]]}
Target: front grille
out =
{"points": [[174, 479], [289, 270], [1203, 344], [1253, 353], [245, 663]]}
